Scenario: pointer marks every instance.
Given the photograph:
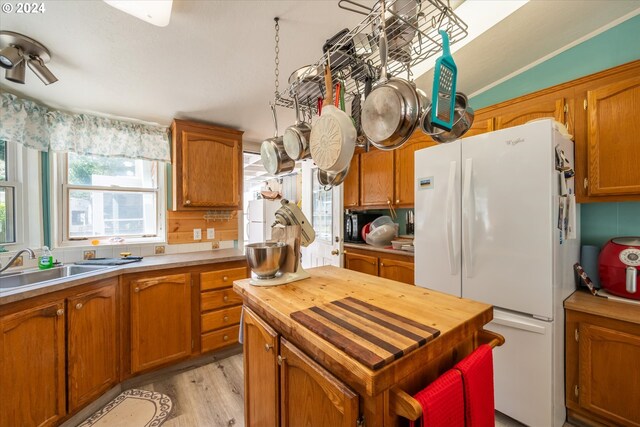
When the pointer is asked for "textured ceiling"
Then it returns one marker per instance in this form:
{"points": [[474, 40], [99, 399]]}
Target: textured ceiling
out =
{"points": [[214, 61]]}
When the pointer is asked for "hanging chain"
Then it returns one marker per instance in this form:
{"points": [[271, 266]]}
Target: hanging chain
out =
{"points": [[277, 60]]}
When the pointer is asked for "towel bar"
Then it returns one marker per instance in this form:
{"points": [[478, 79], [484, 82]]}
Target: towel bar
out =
{"points": [[406, 406]]}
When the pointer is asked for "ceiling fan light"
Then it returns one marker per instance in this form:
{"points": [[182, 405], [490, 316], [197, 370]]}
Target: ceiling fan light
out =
{"points": [[156, 12], [16, 74], [39, 69], [10, 56]]}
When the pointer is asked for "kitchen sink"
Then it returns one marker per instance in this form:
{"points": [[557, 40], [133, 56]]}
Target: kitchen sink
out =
{"points": [[31, 277]]}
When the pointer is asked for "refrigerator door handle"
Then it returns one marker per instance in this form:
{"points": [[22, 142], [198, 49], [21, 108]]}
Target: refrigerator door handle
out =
{"points": [[449, 223], [468, 212], [518, 324]]}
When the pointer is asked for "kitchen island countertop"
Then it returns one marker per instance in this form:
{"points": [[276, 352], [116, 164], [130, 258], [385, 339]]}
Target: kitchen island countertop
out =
{"points": [[457, 319]]}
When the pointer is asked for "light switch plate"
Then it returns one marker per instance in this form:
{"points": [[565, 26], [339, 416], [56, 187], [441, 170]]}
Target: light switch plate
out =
{"points": [[211, 233], [197, 234]]}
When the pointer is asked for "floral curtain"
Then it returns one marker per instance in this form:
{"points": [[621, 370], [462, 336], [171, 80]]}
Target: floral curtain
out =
{"points": [[33, 125]]}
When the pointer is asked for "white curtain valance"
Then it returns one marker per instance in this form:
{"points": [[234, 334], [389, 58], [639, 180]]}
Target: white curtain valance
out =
{"points": [[33, 125]]}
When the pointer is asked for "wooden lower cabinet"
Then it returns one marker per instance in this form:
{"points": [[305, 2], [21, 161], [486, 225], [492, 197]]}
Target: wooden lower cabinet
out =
{"points": [[311, 396], [261, 372], [93, 352], [382, 264], [401, 271], [160, 320], [32, 366], [363, 263], [602, 369]]}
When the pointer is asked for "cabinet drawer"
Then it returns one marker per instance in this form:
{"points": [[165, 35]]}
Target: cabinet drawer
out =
{"points": [[219, 339], [222, 278], [220, 318], [213, 300]]}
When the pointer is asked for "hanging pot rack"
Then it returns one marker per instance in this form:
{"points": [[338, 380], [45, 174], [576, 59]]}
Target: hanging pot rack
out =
{"points": [[412, 37]]}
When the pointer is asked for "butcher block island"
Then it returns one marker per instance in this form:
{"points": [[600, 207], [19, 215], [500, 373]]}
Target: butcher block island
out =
{"points": [[344, 348]]}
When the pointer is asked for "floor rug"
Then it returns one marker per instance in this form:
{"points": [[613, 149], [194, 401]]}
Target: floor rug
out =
{"points": [[133, 408]]}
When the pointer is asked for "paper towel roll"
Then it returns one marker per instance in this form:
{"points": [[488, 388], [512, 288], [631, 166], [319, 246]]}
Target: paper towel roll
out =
{"points": [[589, 261]]}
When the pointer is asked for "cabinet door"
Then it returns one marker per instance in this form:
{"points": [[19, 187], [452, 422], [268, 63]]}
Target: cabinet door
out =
{"points": [[613, 129], [609, 378], [362, 263], [93, 345], [480, 126], [311, 396], [376, 178], [261, 380], [405, 168], [401, 271], [352, 184], [32, 365], [160, 320], [207, 166], [536, 108]]}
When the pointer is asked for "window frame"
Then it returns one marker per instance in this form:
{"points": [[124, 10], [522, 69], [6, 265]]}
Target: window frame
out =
{"points": [[13, 159], [61, 183]]}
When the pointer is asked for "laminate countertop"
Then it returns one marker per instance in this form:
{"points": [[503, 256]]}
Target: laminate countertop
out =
{"points": [[366, 247], [9, 295], [457, 319]]}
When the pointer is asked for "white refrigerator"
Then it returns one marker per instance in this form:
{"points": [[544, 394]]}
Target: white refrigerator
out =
{"points": [[486, 211], [260, 218]]}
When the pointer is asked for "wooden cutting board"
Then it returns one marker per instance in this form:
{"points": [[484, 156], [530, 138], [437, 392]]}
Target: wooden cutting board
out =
{"points": [[371, 335]]}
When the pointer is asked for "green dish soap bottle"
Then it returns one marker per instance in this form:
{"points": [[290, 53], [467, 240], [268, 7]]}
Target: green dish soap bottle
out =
{"points": [[46, 259]]}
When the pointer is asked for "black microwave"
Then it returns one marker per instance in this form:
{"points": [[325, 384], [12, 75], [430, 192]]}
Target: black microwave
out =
{"points": [[353, 223]]}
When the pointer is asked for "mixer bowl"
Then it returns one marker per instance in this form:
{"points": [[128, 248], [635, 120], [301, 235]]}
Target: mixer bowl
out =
{"points": [[266, 258]]}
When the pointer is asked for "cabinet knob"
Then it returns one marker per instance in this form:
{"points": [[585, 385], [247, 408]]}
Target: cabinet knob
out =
{"points": [[60, 312], [281, 359], [225, 298], [225, 338], [136, 289], [397, 201], [381, 264], [267, 347], [78, 306], [187, 202], [344, 251], [225, 278], [225, 319]]}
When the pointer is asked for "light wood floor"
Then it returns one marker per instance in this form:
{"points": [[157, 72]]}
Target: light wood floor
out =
{"points": [[211, 395]]}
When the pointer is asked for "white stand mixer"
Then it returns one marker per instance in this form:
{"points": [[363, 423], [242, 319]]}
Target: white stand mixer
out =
{"points": [[290, 214]]}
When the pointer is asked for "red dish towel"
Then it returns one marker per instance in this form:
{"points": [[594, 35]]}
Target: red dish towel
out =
{"points": [[477, 378], [442, 402]]}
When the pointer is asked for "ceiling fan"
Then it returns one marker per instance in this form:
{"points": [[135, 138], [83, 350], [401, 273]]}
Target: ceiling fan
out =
{"points": [[156, 12]]}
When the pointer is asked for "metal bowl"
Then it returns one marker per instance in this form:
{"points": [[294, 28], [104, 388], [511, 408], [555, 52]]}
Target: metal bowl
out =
{"points": [[266, 259]]}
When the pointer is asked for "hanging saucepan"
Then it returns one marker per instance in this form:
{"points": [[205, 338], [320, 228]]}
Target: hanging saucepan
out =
{"points": [[391, 112], [274, 157], [333, 137], [296, 137], [328, 180], [463, 116]]}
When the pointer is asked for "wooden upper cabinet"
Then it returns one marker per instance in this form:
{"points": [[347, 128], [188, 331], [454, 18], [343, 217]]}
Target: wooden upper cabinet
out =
{"points": [[207, 166], [362, 263], [310, 395], [93, 354], [261, 372], [405, 168], [32, 366], [160, 320], [552, 106], [480, 125], [376, 178], [613, 138], [351, 187], [401, 271]]}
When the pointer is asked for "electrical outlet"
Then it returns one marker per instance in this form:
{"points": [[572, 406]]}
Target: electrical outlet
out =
{"points": [[215, 244], [159, 250], [211, 233], [88, 254], [197, 234], [18, 262]]}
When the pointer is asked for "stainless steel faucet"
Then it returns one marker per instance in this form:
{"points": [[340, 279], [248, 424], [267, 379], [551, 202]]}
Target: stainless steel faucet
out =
{"points": [[32, 255]]}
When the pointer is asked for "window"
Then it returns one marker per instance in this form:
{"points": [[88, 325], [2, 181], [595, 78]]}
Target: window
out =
{"points": [[7, 194], [322, 211], [110, 197]]}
